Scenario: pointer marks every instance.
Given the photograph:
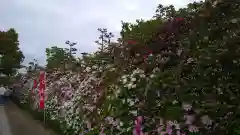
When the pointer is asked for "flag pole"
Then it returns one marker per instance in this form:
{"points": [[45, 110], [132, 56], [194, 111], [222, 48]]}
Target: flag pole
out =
{"points": [[44, 119]]}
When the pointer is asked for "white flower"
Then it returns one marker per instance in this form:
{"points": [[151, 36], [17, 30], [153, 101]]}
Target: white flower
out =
{"points": [[206, 120], [156, 69], [66, 104], [133, 79], [142, 75], [134, 86], [124, 77], [152, 76], [124, 81], [109, 119], [177, 126], [94, 67], [190, 60], [137, 71], [134, 112], [186, 106], [129, 85], [205, 38], [108, 66], [234, 20], [88, 69], [121, 123], [179, 52], [112, 69], [130, 101], [174, 102]]}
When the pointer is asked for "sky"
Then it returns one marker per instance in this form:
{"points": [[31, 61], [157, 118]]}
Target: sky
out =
{"points": [[46, 23]]}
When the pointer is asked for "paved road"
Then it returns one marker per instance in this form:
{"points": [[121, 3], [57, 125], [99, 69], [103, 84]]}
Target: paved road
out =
{"points": [[18, 122], [4, 123]]}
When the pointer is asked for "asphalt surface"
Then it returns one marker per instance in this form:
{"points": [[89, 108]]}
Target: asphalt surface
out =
{"points": [[4, 123], [15, 121]]}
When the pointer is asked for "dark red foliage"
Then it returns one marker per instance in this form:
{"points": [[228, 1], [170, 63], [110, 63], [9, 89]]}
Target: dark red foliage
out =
{"points": [[166, 36]]}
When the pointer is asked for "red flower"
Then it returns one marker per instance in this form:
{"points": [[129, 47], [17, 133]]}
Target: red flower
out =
{"points": [[131, 42], [179, 19]]}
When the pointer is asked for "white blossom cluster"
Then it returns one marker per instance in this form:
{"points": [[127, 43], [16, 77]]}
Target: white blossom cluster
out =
{"points": [[130, 81]]}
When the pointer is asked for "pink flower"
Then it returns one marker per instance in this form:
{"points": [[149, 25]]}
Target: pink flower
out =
{"points": [[163, 133], [169, 130], [138, 123], [135, 133], [170, 123], [189, 119], [102, 132], [159, 129], [192, 128], [140, 119], [186, 106], [179, 133]]}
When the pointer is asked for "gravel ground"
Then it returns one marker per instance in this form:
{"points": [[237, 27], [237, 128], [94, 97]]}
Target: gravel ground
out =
{"points": [[21, 122]]}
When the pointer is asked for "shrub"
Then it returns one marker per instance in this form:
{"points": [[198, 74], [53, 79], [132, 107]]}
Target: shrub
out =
{"points": [[187, 84]]}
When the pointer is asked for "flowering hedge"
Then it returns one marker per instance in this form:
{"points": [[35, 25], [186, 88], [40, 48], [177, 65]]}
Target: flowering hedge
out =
{"points": [[187, 82]]}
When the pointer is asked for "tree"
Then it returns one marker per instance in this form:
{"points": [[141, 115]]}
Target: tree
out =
{"points": [[33, 66], [11, 55], [61, 57], [70, 54], [71, 50], [56, 57], [104, 38]]}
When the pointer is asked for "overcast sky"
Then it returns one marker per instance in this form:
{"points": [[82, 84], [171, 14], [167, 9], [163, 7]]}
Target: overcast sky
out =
{"points": [[44, 23]]}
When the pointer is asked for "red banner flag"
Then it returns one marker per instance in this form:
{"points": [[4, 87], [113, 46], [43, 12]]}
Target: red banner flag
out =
{"points": [[42, 87], [41, 103], [35, 84]]}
